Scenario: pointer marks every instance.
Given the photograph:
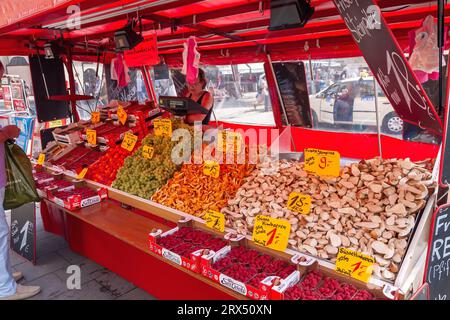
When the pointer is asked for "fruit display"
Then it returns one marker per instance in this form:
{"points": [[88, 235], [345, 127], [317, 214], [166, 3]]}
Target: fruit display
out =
{"points": [[104, 170], [243, 269], [315, 286], [193, 192], [142, 177], [370, 208]]}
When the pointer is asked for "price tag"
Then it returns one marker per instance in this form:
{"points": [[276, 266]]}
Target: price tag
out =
{"points": [[91, 136], [271, 233], [147, 152], [229, 138], [129, 141], [163, 127], [215, 220], [95, 117], [41, 159], [354, 264], [211, 168], [82, 173], [300, 203], [322, 162], [122, 115]]}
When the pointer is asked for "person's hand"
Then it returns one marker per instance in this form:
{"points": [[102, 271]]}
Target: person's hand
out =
{"points": [[11, 132]]}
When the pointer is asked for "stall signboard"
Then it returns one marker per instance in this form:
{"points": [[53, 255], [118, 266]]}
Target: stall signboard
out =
{"points": [[26, 126], [437, 270], [23, 231], [322, 162], [145, 54], [388, 64]]}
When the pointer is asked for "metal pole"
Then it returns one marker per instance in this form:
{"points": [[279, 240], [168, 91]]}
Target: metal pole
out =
{"points": [[375, 88], [280, 98]]}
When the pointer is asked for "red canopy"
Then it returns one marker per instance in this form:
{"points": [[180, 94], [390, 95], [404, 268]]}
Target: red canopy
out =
{"points": [[226, 30]]}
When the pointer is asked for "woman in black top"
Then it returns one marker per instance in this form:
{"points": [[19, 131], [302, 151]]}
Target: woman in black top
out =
{"points": [[198, 93]]}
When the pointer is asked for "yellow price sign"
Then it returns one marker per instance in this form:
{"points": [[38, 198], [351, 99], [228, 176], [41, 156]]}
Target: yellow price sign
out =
{"points": [[82, 174], [215, 220], [91, 136], [271, 233], [163, 127], [122, 115], [41, 159], [211, 168], [129, 141], [354, 264], [300, 203], [229, 138], [322, 162], [147, 152], [95, 117]]}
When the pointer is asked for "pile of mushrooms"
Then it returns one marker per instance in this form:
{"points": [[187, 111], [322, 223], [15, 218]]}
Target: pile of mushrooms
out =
{"points": [[371, 207]]}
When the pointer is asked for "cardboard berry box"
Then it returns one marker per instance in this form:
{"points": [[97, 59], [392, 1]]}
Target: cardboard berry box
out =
{"points": [[184, 245], [319, 283], [247, 271], [78, 197]]}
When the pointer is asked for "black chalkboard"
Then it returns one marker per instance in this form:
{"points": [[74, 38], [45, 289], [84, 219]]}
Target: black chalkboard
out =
{"points": [[23, 231], [437, 271], [291, 79]]}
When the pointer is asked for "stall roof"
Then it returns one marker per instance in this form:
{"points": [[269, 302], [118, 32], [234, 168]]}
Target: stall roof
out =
{"points": [[226, 30]]}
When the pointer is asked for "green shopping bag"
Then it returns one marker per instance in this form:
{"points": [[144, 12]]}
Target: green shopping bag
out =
{"points": [[20, 187]]}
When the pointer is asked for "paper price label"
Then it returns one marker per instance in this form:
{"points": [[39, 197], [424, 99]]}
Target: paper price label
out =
{"points": [[95, 117], [354, 264], [300, 203], [41, 159], [228, 139], [271, 233], [122, 115], [129, 141], [322, 162], [215, 220], [163, 127], [82, 174], [211, 168], [91, 136], [147, 152]]}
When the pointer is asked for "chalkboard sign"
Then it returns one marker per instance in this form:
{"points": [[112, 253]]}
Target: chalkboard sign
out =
{"points": [[23, 231], [388, 63], [444, 172], [437, 271], [291, 80]]}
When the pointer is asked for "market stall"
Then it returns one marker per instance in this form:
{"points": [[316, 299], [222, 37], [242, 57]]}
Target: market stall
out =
{"points": [[320, 215]]}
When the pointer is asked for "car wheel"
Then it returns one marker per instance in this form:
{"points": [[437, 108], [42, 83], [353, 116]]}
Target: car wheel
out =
{"points": [[392, 124]]}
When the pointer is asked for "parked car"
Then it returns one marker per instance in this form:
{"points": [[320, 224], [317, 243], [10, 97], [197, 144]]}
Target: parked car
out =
{"points": [[356, 97]]}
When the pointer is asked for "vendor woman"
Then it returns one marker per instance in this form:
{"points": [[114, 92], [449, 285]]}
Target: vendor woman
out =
{"points": [[197, 92]]}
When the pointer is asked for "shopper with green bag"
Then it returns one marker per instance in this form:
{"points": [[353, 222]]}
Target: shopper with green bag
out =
{"points": [[9, 289]]}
